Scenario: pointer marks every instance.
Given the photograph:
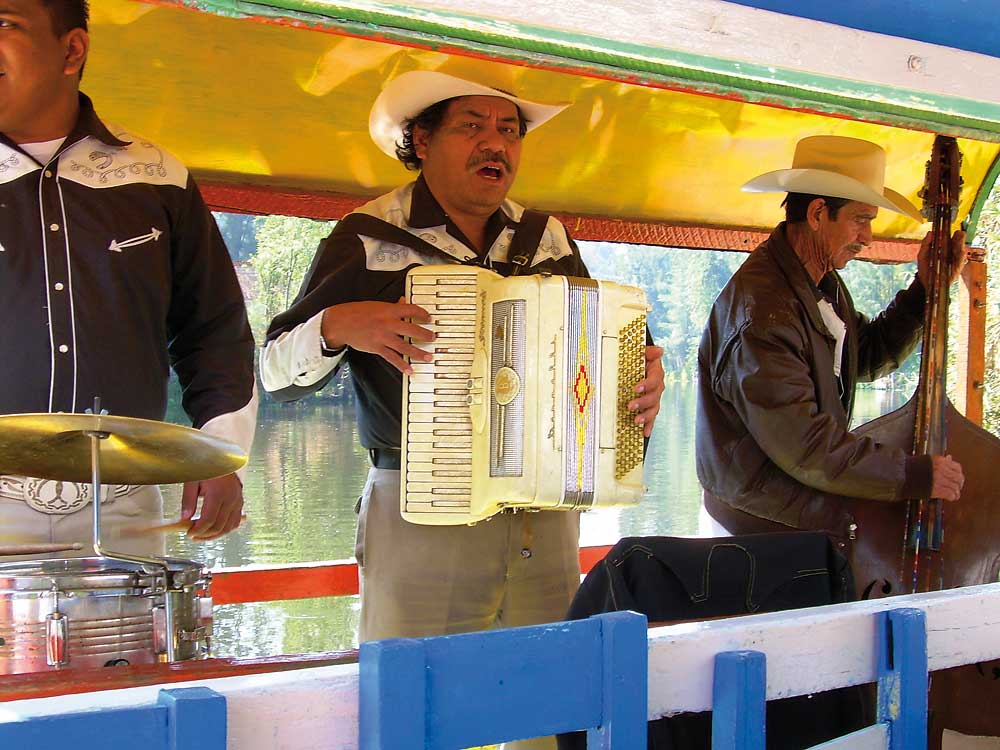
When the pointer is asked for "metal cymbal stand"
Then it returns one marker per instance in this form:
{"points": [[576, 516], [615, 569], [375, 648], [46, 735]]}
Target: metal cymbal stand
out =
{"points": [[150, 564]]}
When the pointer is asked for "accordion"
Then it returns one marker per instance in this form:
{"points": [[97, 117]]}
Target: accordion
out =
{"points": [[524, 404]]}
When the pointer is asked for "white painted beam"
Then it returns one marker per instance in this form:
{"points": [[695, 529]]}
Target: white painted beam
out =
{"points": [[306, 709], [724, 30], [817, 649]]}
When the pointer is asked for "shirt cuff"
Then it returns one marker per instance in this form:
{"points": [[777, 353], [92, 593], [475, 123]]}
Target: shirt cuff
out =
{"points": [[296, 357], [237, 427]]}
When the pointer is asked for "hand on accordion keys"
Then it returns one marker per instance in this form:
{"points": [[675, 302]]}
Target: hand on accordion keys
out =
{"points": [[647, 405], [380, 328]]}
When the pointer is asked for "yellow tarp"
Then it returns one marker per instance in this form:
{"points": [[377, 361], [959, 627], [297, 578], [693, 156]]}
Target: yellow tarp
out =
{"points": [[268, 104]]}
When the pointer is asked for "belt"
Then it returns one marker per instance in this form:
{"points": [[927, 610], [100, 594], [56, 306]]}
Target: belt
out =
{"points": [[385, 458], [58, 498]]}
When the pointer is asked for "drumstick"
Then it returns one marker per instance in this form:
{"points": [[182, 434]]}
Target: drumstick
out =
{"points": [[167, 527], [37, 549]]}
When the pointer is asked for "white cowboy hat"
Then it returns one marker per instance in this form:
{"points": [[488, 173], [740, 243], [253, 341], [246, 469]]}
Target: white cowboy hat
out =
{"points": [[411, 93], [837, 167]]}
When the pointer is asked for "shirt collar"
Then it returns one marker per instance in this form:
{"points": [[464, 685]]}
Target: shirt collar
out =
{"points": [[781, 234], [88, 124], [426, 212], [791, 265], [828, 287]]}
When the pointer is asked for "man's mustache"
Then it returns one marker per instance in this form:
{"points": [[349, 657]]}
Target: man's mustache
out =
{"points": [[490, 156]]}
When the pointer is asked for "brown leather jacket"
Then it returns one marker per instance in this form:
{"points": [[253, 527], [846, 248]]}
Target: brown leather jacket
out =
{"points": [[772, 432]]}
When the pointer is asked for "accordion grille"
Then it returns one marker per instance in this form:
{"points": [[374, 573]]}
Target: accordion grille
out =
{"points": [[506, 377], [582, 400], [631, 369], [438, 426]]}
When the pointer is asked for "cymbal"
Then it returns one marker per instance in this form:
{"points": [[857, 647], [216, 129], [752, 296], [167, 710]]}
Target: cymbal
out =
{"points": [[135, 451]]}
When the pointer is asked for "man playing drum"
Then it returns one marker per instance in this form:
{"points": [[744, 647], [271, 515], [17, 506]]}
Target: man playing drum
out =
{"points": [[465, 139], [112, 271]]}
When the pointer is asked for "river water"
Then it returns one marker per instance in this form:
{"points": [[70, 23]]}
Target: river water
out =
{"points": [[306, 471]]}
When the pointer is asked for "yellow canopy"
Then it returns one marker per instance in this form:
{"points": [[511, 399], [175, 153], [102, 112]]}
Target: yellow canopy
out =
{"points": [[282, 101]]}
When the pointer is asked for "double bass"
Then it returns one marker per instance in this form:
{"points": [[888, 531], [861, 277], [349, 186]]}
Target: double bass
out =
{"points": [[928, 545]]}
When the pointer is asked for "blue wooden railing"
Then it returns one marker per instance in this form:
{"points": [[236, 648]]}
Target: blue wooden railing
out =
{"points": [[456, 691]]}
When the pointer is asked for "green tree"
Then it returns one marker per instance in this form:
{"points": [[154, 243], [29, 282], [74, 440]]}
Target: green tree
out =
{"points": [[238, 231], [988, 238], [680, 286], [872, 287], [285, 249]]}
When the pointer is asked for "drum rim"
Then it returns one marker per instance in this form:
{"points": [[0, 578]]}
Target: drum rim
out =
{"points": [[91, 574]]}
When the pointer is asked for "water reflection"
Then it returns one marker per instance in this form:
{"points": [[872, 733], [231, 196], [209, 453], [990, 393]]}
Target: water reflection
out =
{"points": [[306, 471]]}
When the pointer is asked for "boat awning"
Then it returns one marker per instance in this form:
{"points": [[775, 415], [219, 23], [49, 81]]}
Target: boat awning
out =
{"points": [[673, 108]]}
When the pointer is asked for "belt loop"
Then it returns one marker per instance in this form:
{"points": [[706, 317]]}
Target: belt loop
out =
{"points": [[527, 534]]}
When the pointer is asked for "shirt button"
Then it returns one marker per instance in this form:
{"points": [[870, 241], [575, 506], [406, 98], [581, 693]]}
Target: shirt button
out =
{"points": [[54, 227], [48, 173], [59, 286], [63, 348]]}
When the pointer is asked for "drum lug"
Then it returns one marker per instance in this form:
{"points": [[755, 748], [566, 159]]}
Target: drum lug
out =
{"points": [[193, 636], [56, 639], [205, 607], [159, 629], [205, 617]]}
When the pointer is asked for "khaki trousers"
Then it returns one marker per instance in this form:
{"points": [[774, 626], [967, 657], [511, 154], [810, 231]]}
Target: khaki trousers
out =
{"points": [[416, 581], [21, 524]]}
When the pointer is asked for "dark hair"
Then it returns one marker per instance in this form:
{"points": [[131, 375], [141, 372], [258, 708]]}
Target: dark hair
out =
{"points": [[67, 15], [430, 120], [796, 205]]}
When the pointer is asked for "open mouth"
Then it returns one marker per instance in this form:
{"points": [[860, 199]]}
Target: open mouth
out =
{"points": [[490, 173]]}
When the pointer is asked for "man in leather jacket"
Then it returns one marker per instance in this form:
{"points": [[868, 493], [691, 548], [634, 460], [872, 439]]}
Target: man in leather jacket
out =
{"points": [[784, 348]]}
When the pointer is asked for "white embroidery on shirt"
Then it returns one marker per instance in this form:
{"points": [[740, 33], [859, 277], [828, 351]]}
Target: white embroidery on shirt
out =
{"points": [[394, 207], [388, 256], [98, 165], [501, 246], [142, 239], [13, 165], [9, 163], [439, 237], [553, 245], [103, 167]]}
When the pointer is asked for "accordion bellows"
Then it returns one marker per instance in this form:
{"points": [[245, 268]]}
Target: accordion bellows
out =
{"points": [[524, 405]]}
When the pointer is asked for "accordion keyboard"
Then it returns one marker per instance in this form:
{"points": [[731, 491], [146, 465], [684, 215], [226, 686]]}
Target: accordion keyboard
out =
{"points": [[439, 442]]}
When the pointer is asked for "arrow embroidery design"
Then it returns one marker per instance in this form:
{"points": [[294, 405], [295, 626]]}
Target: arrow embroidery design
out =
{"points": [[153, 236]]}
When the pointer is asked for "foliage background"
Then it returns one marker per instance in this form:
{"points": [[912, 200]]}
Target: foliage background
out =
{"points": [[681, 285]]}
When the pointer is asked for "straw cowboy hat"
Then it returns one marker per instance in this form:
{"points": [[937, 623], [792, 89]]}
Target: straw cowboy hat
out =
{"points": [[411, 93], [837, 167]]}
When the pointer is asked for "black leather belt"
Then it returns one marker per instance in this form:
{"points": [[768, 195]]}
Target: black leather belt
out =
{"points": [[385, 458]]}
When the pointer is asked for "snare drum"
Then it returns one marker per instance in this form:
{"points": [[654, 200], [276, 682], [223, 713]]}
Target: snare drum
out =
{"points": [[94, 611]]}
